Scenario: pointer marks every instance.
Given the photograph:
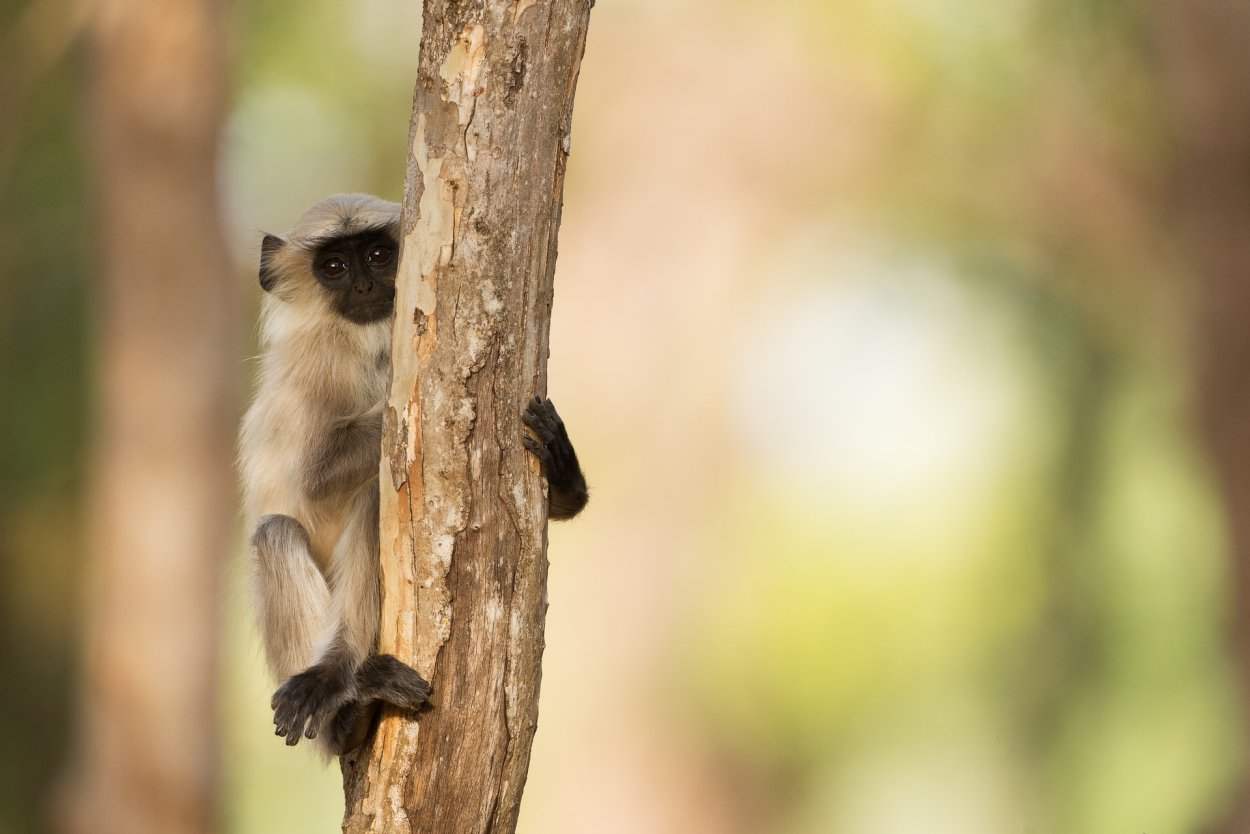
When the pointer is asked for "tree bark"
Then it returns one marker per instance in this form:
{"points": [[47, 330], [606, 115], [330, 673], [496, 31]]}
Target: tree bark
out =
{"points": [[463, 513], [161, 502]]}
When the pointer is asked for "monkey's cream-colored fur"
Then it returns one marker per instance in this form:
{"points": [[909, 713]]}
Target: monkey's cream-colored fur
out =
{"points": [[318, 373], [309, 457]]}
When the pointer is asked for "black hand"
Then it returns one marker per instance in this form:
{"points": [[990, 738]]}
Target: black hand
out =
{"points": [[554, 450]]}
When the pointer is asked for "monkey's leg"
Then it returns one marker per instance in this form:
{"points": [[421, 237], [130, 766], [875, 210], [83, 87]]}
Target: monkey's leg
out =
{"points": [[554, 450], [378, 677], [293, 598], [306, 703]]}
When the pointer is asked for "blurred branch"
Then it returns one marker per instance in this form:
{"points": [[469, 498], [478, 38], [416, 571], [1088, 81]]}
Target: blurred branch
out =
{"points": [[463, 522]]}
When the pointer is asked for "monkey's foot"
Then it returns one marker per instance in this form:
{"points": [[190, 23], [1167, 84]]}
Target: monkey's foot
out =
{"points": [[303, 704], [555, 452], [350, 726], [383, 677]]}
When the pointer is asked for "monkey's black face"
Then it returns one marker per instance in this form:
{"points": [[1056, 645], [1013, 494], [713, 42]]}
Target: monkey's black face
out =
{"points": [[359, 274]]}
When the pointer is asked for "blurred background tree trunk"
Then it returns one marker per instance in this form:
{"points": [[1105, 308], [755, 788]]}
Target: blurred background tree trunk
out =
{"points": [[160, 511], [1206, 51]]}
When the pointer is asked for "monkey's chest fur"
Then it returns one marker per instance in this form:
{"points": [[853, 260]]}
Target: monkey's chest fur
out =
{"points": [[306, 395]]}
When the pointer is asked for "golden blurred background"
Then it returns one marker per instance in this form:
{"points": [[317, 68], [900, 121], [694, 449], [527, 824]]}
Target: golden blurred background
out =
{"points": [[902, 343]]}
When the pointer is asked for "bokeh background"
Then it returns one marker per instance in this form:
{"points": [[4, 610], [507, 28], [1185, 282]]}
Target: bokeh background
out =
{"points": [[902, 344]]}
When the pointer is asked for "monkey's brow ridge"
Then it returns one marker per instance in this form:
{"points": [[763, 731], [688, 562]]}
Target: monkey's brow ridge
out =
{"points": [[317, 241]]}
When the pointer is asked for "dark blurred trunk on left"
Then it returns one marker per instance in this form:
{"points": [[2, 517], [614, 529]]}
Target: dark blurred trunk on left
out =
{"points": [[161, 506], [1205, 51]]}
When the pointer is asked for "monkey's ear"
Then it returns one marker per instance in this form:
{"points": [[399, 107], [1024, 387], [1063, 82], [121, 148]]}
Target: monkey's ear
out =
{"points": [[268, 248]]}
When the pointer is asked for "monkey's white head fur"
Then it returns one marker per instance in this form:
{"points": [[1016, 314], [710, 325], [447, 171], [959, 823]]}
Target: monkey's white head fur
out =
{"points": [[293, 298], [345, 214]]}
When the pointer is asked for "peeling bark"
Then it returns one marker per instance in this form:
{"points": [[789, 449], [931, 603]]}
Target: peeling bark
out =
{"points": [[464, 536]]}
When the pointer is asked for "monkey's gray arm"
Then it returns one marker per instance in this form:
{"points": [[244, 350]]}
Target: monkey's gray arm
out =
{"points": [[346, 456]]}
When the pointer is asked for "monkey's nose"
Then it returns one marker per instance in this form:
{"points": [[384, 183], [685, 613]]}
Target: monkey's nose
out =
{"points": [[364, 286]]}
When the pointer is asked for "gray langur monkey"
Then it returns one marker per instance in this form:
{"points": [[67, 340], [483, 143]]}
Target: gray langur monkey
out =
{"points": [[309, 455]]}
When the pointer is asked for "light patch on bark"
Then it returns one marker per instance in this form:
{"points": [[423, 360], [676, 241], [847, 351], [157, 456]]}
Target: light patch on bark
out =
{"points": [[490, 302], [462, 69], [462, 73], [518, 9], [435, 232]]}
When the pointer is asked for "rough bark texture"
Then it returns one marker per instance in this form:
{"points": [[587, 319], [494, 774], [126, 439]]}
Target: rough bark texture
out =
{"points": [[161, 505], [1206, 51], [463, 516]]}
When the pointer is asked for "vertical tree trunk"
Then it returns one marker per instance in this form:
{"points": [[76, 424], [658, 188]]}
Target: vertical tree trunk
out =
{"points": [[161, 505], [1206, 50], [463, 517]]}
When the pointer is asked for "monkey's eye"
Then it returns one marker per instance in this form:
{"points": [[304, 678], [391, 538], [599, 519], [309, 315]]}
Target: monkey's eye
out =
{"points": [[380, 255], [333, 267]]}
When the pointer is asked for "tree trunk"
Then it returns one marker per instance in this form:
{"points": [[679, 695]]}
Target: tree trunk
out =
{"points": [[463, 515], [162, 496], [1206, 51]]}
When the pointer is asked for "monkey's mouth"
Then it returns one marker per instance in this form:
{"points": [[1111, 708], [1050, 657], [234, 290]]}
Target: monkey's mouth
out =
{"points": [[370, 311]]}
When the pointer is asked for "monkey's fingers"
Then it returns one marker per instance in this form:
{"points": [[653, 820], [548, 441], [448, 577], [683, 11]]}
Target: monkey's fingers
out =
{"points": [[541, 418], [292, 738], [283, 711], [286, 729], [546, 407], [301, 705], [285, 715], [539, 450], [291, 727]]}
